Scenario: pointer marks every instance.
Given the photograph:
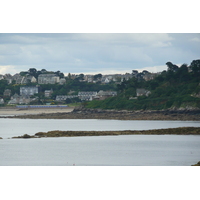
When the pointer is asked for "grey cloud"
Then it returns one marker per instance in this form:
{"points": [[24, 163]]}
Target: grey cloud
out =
{"points": [[95, 52]]}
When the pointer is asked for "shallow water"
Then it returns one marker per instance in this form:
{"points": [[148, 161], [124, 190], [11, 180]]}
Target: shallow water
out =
{"points": [[17, 127], [123, 150]]}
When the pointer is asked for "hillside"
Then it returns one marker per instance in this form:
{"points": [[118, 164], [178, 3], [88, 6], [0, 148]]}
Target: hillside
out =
{"points": [[176, 88]]}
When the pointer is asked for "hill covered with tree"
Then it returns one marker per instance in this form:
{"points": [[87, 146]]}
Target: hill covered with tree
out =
{"points": [[175, 88]]}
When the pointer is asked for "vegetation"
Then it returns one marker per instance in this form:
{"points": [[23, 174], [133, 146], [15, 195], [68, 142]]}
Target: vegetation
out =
{"points": [[74, 104], [72, 86], [178, 87], [35, 73]]}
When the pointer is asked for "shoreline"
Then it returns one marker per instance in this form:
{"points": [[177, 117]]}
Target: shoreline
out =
{"points": [[84, 113], [169, 131], [32, 111]]}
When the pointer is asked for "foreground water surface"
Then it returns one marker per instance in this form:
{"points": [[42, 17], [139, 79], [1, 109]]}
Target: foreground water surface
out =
{"points": [[123, 150]]}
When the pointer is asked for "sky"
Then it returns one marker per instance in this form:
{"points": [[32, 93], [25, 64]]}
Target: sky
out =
{"points": [[92, 53], [89, 37]]}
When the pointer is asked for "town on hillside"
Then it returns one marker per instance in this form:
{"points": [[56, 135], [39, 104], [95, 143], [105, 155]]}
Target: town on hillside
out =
{"points": [[47, 87]]}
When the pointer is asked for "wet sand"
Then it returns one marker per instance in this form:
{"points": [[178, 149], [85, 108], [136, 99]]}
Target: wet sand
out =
{"points": [[16, 111]]}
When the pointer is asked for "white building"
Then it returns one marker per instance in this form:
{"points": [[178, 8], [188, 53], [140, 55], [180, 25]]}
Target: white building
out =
{"points": [[1, 101], [87, 96], [47, 93], [7, 92], [62, 81], [25, 79], [1, 77], [17, 99], [64, 97], [48, 79], [142, 92], [28, 90], [101, 95]]}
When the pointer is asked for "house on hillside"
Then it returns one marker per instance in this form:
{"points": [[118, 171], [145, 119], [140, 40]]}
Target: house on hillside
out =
{"points": [[28, 90], [19, 99], [1, 77], [64, 97], [105, 80], [127, 76], [30, 79], [25, 79], [19, 79], [1, 101], [7, 93], [87, 96], [88, 78], [15, 76], [9, 78], [24, 99], [142, 92], [14, 99], [149, 76], [62, 81], [61, 97], [101, 95], [48, 79], [48, 93]]}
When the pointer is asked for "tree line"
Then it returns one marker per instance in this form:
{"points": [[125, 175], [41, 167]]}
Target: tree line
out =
{"points": [[174, 88]]}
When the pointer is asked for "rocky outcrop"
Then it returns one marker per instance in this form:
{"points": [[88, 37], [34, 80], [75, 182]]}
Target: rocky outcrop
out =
{"points": [[170, 131], [25, 136], [86, 113], [198, 164]]}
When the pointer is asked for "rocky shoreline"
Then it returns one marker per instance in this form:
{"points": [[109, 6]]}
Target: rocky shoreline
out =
{"points": [[198, 164], [85, 113], [169, 131]]}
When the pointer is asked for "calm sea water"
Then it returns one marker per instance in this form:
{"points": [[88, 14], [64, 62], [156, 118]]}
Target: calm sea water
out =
{"points": [[131, 150]]}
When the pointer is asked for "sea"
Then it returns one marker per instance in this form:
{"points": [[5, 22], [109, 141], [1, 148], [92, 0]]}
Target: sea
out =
{"points": [[122, 150]]}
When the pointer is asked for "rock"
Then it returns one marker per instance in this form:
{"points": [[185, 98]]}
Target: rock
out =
{"points": [[25, 136], [174, 131], [198, 164], [87, 113]]}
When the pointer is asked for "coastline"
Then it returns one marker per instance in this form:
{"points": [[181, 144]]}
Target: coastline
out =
{"points": [[36, 111], [84, 113]]}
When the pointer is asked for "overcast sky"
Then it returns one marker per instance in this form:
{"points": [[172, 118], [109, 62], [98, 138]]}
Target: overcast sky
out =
{"points": [[96, 53]]}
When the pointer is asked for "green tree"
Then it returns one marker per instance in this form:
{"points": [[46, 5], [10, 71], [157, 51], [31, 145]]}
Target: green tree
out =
{"points": [[97, 76], [23, 73], [172, 67], [32, 72], [195, 66], [3, 85]]}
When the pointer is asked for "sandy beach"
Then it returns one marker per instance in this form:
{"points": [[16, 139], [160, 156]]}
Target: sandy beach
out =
{"points": [[16, 111]]}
